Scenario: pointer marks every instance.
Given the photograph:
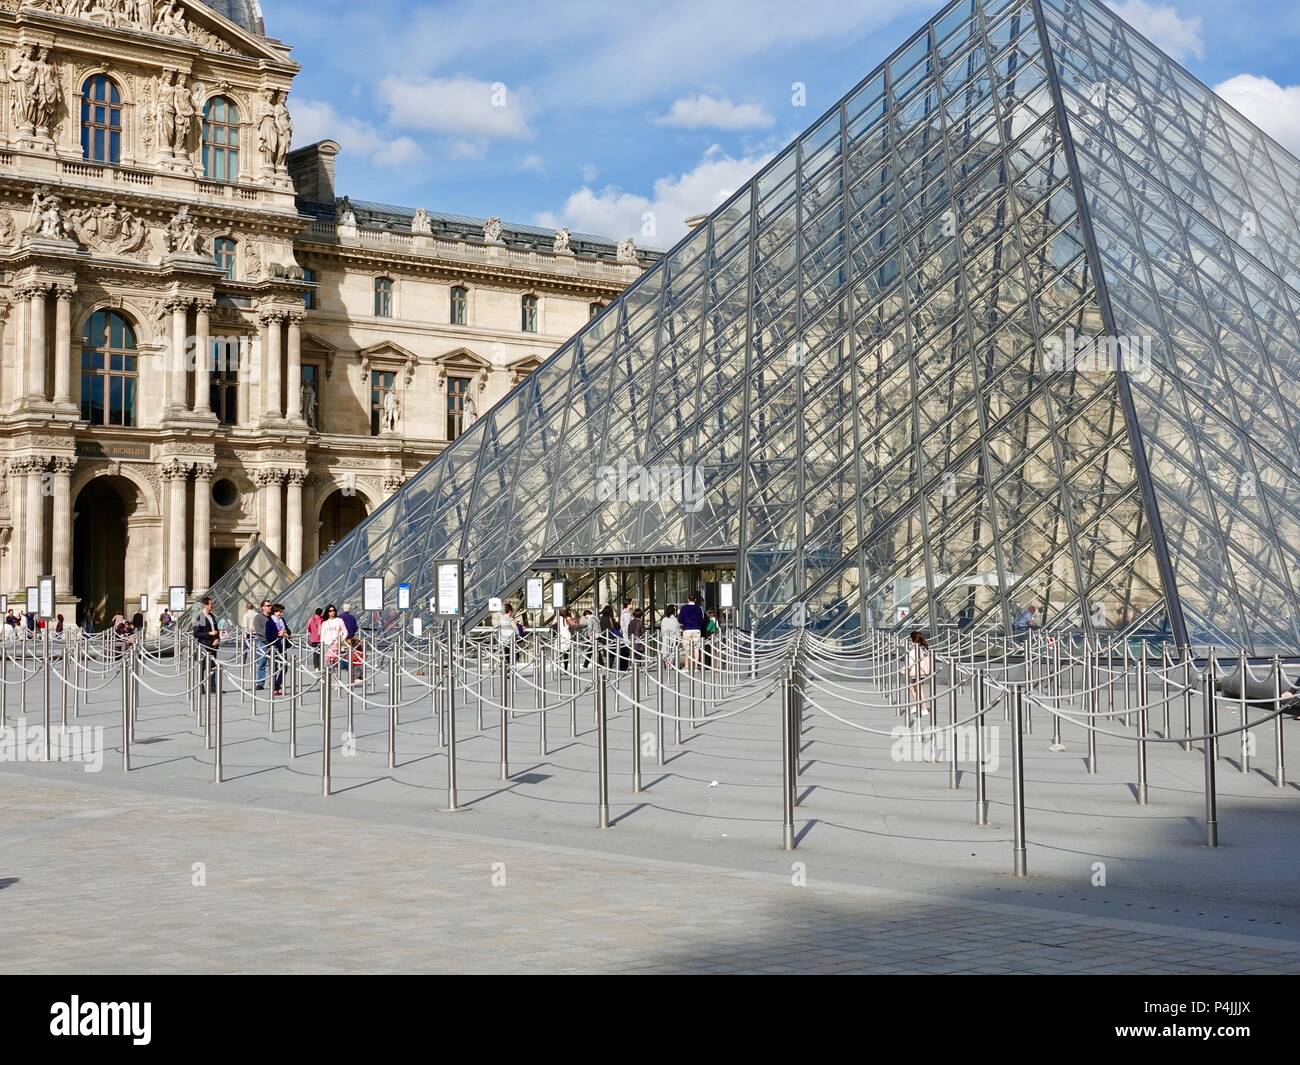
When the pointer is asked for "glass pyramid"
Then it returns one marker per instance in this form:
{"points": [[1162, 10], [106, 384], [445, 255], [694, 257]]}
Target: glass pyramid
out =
{"points": [[1014, 324], [258, 575]]}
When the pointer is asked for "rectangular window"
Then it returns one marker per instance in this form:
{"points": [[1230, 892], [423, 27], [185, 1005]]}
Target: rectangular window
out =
{"points": [[309, 297], [457, 390], [529, 314], [381, 383], [223, 380], [383, 297], [459, 306]]}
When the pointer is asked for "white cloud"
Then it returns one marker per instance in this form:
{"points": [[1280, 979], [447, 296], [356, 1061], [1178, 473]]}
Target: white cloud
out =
{"points": [[616, 213], [535, 163], [589, 174], [1164, 27], [1272, 107], [316, 121], [466, 108], [708, 112]]}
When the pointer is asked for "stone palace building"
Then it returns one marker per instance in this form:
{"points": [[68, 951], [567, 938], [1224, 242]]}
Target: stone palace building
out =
{"points": [[202, 343]]}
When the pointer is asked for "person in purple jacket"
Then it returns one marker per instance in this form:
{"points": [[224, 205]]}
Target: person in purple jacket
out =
{"points": [[692, 621]]}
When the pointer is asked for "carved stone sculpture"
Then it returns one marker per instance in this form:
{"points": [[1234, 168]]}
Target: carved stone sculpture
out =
{"points": [[392, 410], [274, 129], [422, 224], [36, 93], [492, 231], [108, 228], [182, 236], [562, 238], [627, 251], [47, 215]]}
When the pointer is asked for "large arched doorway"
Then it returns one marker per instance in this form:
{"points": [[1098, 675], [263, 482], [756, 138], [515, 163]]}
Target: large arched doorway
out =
{"points": [[341, 513], [99, 546]]}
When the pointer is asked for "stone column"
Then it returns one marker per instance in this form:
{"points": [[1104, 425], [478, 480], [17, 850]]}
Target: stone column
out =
{"points": [[271, 352], [203, 357], [62, 532], [273, 534], [293, 385], [179, 307], [295, 479], [176, 474], [202, 549], [36, 342], [63, 353], [34, 518]]}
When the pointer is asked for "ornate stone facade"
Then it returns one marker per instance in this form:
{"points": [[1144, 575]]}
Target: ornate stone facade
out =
{"points": [[201, 345]]}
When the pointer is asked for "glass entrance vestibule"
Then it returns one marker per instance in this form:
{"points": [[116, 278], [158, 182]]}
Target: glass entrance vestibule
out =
{"points": [[652, 582]]}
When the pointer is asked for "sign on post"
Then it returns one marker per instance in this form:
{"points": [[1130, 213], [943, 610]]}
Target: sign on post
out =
{"points": [[33, 600], [176, 599], [726, 595], [533, 593], [372, 593], [4, 604], [403, 597], [417, 627], [557, 594], [45, 595], [144, 603], [449, 588]]}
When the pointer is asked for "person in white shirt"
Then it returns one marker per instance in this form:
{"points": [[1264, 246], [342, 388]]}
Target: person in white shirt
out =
{"points": [[670, 634], [625, 620], [506, 631], [333, 636], [563, 636]]}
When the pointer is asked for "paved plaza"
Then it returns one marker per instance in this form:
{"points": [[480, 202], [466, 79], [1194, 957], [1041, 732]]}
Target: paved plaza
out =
{"points": [[163, 870]]}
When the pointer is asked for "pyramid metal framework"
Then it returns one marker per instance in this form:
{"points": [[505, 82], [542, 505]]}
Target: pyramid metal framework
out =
{"points": [[258, 575], [1013, 324]]}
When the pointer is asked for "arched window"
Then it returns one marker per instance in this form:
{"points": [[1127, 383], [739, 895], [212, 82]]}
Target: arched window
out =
{"points": [[528, 307], [459, 305], [223, 252], [221, 140], [101, 120], [109, 374], [383, 297]]}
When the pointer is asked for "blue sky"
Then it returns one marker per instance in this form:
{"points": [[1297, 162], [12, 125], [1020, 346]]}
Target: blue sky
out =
{"points": [[597, 115]]}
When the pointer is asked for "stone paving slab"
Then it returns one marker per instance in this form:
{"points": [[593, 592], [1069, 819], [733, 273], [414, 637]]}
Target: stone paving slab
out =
{"points": [[691, 878]]}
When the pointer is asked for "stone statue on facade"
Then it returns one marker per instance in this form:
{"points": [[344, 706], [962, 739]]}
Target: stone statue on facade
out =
{"points": [[36, 92], [421, 223], [274, 129], [562, 237], [392, 410], [182, 236], [309, 404], [8, 231], [346, 215], [174, 115], [492, 231], [468, 410], [47, 215], [627, 251]]}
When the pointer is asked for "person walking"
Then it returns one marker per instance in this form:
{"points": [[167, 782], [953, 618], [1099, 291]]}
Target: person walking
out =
{"points": [[564, 637], [265, 634], [208, 636], [590, 636], [333, 637], [692, 619], [609, 635], [670, 635], [920, 664], [314, 624], [507, 632], [711, 629], [635, 635], [277, 645]]}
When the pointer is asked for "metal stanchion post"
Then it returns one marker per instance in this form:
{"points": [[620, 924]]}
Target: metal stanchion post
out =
{"points": [[1211, 800], [126, 712], [659, 707], [1246, 738], [45, 684], [981, 800], [505, 713], [1187, 698], [1143, 688], [1279, 772], [1021, 865], [326, 716], [392, 710], [602, 748], [636, 723], [217, 713], [449, 706], [954, 776], [787, 761], [1091, 680]]}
